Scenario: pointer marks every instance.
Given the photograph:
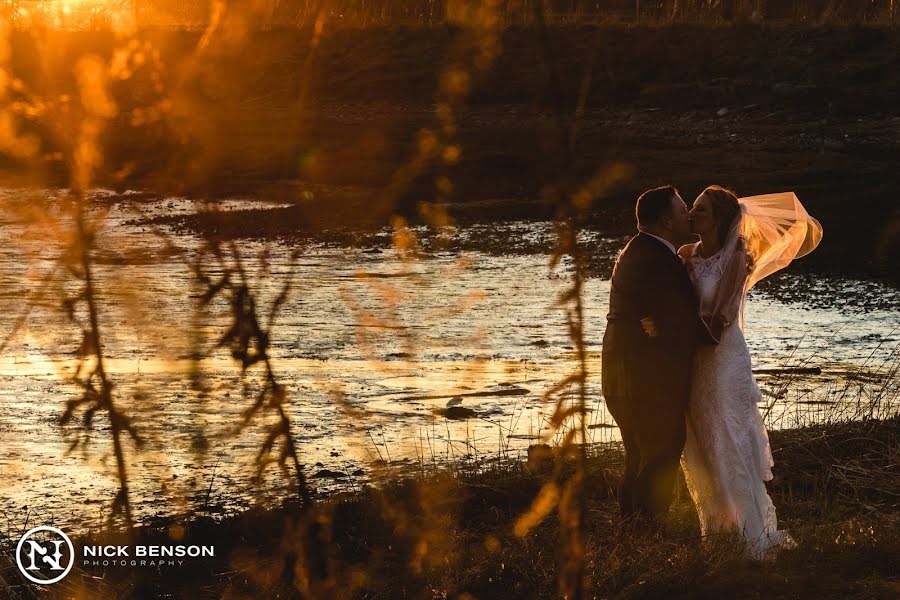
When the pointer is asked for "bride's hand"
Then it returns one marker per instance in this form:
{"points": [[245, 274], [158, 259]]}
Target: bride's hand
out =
{"points": [[716, 325]]}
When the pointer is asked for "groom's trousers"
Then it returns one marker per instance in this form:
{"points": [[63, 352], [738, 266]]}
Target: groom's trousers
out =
{"points": [[651, 465], [647, 390]]}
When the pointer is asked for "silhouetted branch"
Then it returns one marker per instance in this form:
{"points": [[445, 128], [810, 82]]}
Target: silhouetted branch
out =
{"points": [[248, 343]]}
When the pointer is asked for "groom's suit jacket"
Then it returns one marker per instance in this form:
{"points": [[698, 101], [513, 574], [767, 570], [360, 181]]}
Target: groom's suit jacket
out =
{"points": [[646, 380]]}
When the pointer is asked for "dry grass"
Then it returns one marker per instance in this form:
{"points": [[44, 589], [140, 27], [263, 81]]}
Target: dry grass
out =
{"points": [[446, 535]]}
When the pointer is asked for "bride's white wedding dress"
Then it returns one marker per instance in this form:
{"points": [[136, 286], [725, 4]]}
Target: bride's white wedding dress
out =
{"points": [[727, 457]]}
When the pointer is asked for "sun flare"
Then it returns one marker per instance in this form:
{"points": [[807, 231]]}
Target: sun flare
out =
{"points": [[75, 14]]}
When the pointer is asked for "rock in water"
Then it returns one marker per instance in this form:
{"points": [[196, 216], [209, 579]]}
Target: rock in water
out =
{"points": [[457, 412], [454, 401]]}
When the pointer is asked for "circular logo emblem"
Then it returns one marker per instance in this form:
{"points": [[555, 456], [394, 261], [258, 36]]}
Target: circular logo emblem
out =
{"points": [[45, 555]]}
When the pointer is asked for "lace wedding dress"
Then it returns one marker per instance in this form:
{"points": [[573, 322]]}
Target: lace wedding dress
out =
{"points": [[727, 455]]}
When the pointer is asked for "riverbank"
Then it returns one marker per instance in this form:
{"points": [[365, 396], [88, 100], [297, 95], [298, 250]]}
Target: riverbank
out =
{"points": [[450, 533], [365, 124]]}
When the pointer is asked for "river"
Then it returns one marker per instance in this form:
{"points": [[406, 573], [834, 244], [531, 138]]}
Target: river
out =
{"points": [[372, 344]]}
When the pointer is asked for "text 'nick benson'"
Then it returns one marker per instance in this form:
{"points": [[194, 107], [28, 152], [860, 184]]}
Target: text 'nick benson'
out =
{"points": [[148, 551]]}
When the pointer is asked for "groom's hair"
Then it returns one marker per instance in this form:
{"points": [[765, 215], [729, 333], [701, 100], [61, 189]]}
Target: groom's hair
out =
{"points": [[653, 204]]}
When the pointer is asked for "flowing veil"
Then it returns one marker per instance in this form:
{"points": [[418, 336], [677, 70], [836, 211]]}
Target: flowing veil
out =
{"points": [[770, 231], [777, 229]]}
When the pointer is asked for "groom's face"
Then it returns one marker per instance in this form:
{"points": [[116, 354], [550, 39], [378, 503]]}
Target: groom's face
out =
{"points": [[679, 220]]}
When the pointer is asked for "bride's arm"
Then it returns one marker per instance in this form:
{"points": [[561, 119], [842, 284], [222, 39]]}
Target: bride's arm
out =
{"points": [[731, 289]]}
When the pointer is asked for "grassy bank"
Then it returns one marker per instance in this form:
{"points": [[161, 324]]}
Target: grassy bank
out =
{"points": [[449, 533]]}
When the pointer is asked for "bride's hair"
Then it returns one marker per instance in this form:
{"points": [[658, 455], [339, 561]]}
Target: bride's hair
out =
{"points": [[726, 209]]}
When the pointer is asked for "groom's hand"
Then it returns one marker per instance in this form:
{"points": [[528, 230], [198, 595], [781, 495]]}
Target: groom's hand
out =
{"points": [[649, 327]]}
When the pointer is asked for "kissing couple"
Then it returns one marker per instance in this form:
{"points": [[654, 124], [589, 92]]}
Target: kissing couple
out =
{"points": [[676, 369]]}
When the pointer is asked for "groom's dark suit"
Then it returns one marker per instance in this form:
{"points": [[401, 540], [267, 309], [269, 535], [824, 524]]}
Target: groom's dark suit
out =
{"points": [[646, 380]]}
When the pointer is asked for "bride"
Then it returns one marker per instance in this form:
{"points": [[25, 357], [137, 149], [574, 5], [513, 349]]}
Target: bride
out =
{"points": [[727, 457]]}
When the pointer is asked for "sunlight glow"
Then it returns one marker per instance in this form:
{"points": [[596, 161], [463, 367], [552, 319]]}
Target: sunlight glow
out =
{"points": [[116, 15]]}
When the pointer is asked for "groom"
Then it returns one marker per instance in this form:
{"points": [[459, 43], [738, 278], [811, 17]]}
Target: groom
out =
{"points": [[647, 369]]}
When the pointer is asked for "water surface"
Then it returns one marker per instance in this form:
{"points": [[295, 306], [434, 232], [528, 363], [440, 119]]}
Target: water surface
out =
{"points": [[372, 344]]}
